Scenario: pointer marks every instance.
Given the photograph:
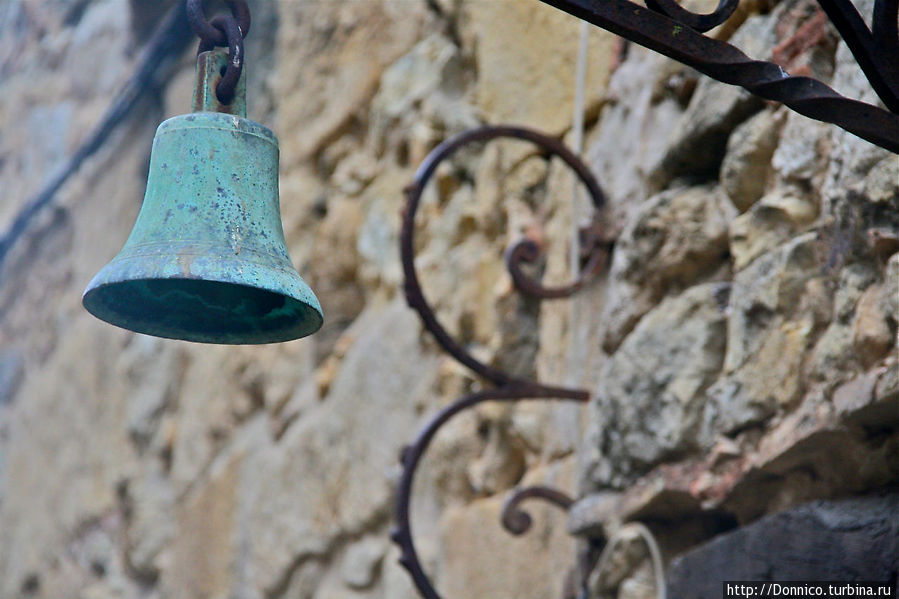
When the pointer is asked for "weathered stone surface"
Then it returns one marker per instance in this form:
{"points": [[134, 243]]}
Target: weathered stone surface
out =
{"points": [[354, 45], [747, 163], [623, 148], [673, 239], [74, 433], [882, 182], [201, 563], [870, 399], [773, 220], [510, 40], [652, 393], [764, 348], [151, 524], [800, 153], [854, 539], [298, 494], [11, 373], [871, 332], [589, 516], [508, 566], [698, 141], [421, 98], [360, 564]]}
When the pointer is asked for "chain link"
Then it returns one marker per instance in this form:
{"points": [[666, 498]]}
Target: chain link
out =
{"points": [[207, 31], [223, 30]]}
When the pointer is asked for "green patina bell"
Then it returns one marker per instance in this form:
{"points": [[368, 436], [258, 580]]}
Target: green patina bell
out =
{"points": [[206, 260]]}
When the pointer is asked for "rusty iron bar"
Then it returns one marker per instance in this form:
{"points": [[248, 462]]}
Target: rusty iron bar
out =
{"points": [[209, 33], [226, 31], [506, 387], [876, 52]]}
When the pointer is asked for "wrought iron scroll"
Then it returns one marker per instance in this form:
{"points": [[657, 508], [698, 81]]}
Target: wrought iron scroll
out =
{"points": [[506, 388], [668, 29]]}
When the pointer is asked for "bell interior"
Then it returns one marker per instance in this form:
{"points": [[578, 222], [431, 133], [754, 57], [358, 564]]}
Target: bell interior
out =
{"points": [[203, 311]]}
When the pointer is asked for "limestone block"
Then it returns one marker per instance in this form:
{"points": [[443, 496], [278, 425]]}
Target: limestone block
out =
{"points": [[65, 448], [201, 563], [773, 220], [421, 99], [334, 274], [698, 141], [865, 400], [378, 235], [210, 406], [525, 60], [833, 356], [328, 475], [747, 163], [11, 373], [871, 332], [480, 559], [853, 281], [800, 153], [768, 381], [151, 524], [772, 283], [154, 370], [361, 562], [882, 182], [628, 140], [651, 394], [673, 239], [353, 44], [765, 346]]}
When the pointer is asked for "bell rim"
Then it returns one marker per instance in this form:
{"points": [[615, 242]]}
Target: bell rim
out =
{"points": [[312, 315], [274, 275]]}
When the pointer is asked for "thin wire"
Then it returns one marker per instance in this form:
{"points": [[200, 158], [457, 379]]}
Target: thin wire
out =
{"points": [[655, 554], [577, 340], [577, 128]]}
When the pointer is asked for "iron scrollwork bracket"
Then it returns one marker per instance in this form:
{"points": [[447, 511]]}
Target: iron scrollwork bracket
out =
{"points": [[506, 388], [665, 27]]}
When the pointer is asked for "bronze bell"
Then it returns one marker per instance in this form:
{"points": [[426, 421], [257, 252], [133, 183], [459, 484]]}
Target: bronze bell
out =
{"points": [[206, 260]]}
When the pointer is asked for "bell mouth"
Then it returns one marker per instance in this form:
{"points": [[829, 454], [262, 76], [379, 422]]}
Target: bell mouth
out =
{"points": [[202, 310]]}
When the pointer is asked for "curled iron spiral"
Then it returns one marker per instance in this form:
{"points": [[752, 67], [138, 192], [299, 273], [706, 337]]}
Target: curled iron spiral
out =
{"points": [[516, 520], [522, 252], [507, 388]]}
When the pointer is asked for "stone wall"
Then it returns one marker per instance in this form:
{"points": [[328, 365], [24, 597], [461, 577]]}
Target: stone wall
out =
{"points": [[740, 347]]}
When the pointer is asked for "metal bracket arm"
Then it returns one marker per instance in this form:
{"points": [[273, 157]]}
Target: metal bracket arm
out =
{"points": [[876, 53]]}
